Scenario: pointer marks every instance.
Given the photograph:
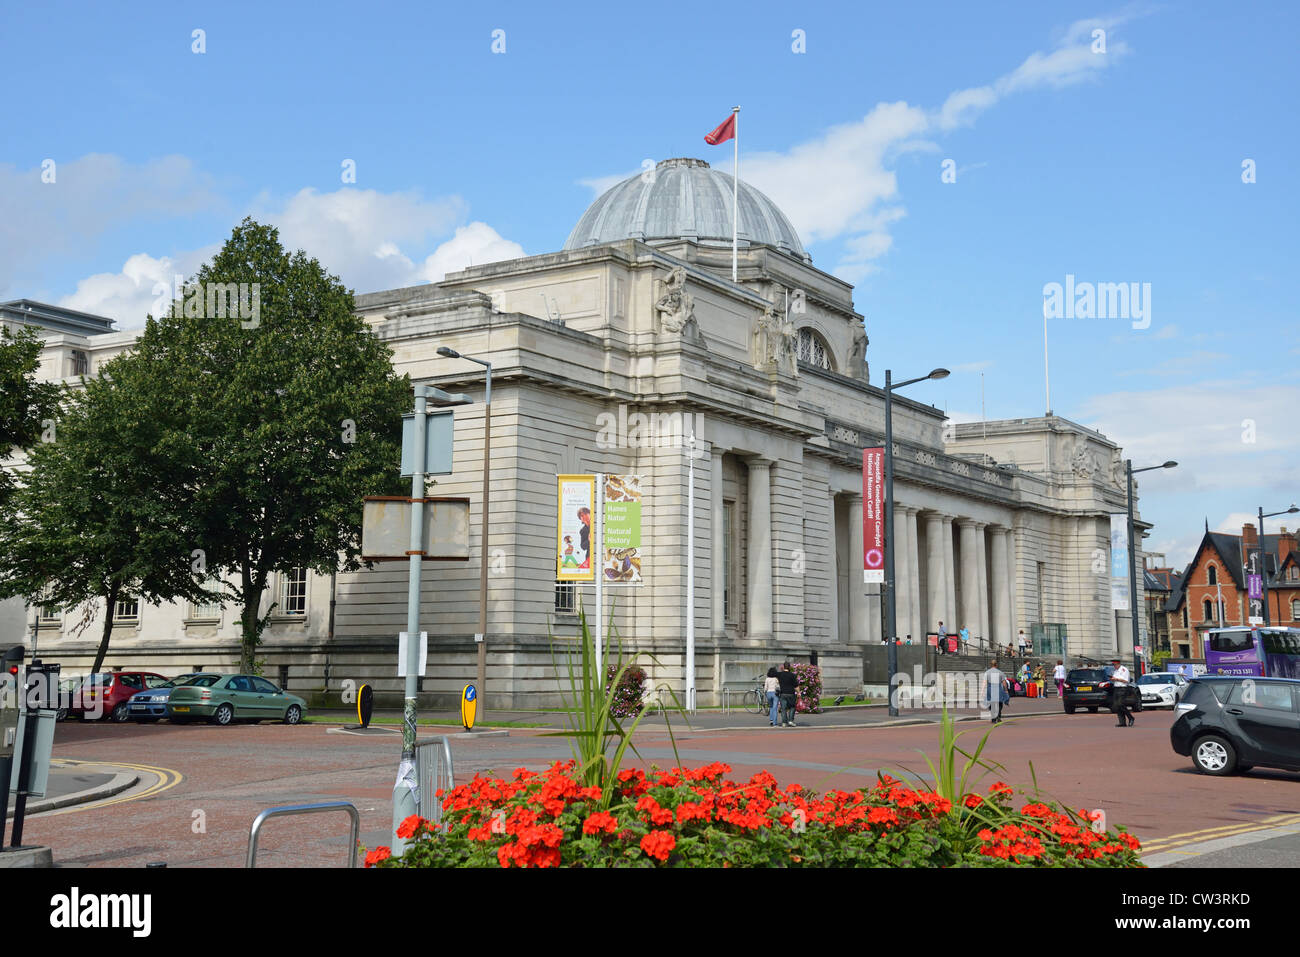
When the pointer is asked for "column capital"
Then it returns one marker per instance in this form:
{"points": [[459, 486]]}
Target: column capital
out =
{"points": [[853, 498], [758, 462], [912, 510], [964, 522]]}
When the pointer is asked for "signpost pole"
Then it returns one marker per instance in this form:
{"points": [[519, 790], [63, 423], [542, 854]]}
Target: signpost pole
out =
{"points": [[598, 566], [406, 798], [1263, 562], [690, 576], [1132, 574]]}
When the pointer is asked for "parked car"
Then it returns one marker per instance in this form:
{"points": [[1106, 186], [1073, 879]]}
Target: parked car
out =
{"points": [[106, 695], [1087, 688], [223, 699], [151, 704], [1162, 689], [1232, 724]]}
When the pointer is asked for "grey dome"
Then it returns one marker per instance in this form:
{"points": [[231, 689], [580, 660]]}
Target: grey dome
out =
{"points": [[684, 199]]}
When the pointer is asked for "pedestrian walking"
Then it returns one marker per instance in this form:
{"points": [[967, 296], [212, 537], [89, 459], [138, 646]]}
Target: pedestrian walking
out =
{"points": [[788, 689], [994, 694], [1020, 643], [1058, 675], [772, 688], [1119, 691]]}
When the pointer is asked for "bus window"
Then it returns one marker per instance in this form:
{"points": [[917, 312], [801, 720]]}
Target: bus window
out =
{"points": [[1225, 642]]}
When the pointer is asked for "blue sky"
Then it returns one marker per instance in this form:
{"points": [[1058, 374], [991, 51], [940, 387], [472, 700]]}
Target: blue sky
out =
{"points": [[1115, 166]]}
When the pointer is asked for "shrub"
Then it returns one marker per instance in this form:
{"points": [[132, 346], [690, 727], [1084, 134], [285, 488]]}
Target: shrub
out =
{"points": [[699, 818], [627, 695], [808, 689]]}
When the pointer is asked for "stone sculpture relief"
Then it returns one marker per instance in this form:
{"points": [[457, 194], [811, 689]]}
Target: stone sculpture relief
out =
{"points": [[675, 306], [776, 344]]}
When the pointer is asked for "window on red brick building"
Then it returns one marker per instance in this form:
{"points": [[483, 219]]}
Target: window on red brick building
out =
{"points": [[1213, 575]]}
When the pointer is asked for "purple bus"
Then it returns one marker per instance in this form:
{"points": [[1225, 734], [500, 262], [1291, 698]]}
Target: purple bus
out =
{"points": [[1265, 652]]}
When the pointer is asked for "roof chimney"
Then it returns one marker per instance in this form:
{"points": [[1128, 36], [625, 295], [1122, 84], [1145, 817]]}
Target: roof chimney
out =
{"points": [[1286, 544], [1248, 535]]}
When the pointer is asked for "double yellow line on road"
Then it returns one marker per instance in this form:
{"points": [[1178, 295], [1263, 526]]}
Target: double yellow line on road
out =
{"points": [[1175, 841], [167, 779]]}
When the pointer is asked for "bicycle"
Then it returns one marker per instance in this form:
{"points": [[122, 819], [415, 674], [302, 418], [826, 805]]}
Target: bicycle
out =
{"points": [[757, 700]]}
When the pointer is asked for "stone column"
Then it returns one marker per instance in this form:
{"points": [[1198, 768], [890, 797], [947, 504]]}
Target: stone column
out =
{"points": [[917, 630], [902, 579], [833, 568], [935, 586], [981, 558], [859, 611], [949, 579], [970, 579], [759, 553], [1001, 619], [718, 572]]}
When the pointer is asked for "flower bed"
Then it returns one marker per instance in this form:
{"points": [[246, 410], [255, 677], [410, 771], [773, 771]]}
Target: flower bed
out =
{"points": [[625, 698], [699, 818], [808, 689]]}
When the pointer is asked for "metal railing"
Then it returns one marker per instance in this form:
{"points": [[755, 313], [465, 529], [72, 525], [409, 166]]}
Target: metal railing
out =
{"points": [[434, 771], [255, 831]]}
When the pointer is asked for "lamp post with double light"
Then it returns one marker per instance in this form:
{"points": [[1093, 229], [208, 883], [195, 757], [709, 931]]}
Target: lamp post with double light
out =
{"points": [[481, 674], [891, 612], [1132, 553], [1263, 552]]}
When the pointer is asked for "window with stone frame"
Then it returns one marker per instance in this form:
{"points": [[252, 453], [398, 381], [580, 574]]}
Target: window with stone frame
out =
{"points": [[80, 363], [127, 609], [1295, 609], [566, 598], [1208, 608], [1212, 575], [293, 593], [813, 350], [206, 611]]}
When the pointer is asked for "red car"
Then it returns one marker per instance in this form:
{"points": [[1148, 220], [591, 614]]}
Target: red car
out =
{"points": [[105, 695]]}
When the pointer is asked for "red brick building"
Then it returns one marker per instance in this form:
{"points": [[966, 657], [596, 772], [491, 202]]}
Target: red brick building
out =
{"points": [[1217, 574]]}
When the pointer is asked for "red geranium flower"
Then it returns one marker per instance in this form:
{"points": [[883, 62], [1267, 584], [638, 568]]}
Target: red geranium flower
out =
{"points": [[380, 853], [658, 844], [408, 827]]}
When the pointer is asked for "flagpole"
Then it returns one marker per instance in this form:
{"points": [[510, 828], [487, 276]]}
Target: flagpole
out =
{"points": [[735, 189]]}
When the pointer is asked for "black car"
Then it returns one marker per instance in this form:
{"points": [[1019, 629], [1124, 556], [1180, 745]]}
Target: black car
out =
{"points": [[1228, 724], [1087, 688]]}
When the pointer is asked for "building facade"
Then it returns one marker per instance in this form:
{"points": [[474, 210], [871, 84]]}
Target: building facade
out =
{"points": [[606, 356]]}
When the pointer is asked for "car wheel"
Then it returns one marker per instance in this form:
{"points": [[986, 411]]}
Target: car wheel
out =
{"points": [[223, 715], [293, 715], [1069, 709], [1214, 755], [120, 713], [1092, 711]]}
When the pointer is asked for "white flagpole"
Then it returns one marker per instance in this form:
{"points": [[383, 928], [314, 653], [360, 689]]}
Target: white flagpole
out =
{"points": [[690, 575], [1047, 379], [735, 190]]}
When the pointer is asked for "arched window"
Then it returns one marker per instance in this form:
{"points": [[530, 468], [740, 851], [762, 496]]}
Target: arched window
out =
{"points": [[812, 350], [1214, 575], [1208, 609], [1184, 616]]}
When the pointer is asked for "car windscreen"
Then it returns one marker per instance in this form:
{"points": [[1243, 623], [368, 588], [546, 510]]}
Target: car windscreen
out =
{"points": [[177, 681], [1201, 692], [92, 681], [1085, 675], [1156, 680], [201, 681]]}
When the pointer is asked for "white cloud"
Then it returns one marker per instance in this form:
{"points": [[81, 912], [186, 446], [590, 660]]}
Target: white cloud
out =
{"points": [[366, 237], [132, 294], [1233, 521], [90, 196], [471, 245], [1224, 434]]}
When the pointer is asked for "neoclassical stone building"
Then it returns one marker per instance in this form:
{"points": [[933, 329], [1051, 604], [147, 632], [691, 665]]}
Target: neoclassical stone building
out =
{"points": [[999, 525]]}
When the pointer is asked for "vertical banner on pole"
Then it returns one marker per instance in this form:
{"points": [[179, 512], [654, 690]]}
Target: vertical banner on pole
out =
{"points": [[1119, 596], [621, 551], [873, 516], [575, 556], [1254, 586]]}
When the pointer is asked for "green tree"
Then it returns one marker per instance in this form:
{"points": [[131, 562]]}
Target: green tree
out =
{"points": [[27, 407], [86, 522], [273, 423]]}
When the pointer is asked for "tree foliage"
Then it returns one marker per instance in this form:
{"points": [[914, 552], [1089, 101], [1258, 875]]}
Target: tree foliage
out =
{"points": [[270, 428], [25, 404], [86, 522]]}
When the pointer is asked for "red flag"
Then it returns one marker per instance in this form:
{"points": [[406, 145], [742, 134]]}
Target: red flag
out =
{"points": [[726, 131]]}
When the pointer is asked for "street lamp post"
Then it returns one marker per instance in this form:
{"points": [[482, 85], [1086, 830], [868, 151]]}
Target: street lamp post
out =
{"points": [[891, 612], [480, 677], [1263, 553], [1132, 555]]}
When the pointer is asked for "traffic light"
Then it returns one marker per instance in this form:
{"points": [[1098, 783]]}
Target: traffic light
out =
{"points": [[13, 659]]}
